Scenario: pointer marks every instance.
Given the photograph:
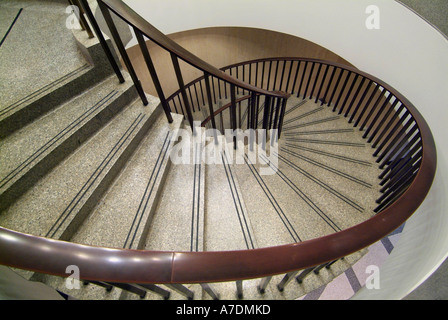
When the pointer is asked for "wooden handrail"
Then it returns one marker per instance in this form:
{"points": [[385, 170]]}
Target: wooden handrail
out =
{"points": [[137, 266], [134, 19]]}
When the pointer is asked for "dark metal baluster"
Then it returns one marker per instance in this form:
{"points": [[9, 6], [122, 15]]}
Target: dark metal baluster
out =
{"points": [[392, 149], [388, 141], [341, 72], [130, 288], [341, 93], [399, 188], [286, 279], [393, 167], [295, 77], [367, 105], [289, 75], [277, 113], [233, 113], [301, 81], [262, 74], [101, 39], [397, 174], [383, 120], [283, 75], [267, 111], [388, 125], [275, 76], [309, 79], [153, 73], [378, 114], [123, 53], [209, 98], [191, 97], [269, 74], [364, 94], [348, 93], [182, 290], [239, 289], [358, 90], [263, 284], [372, 110], [106, 286], [180, 80], [327, 67], [324, 99], [303, 274], [282, 116], [197, 97]]}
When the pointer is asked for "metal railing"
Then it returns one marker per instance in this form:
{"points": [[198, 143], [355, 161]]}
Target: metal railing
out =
{"points": [[402, 141]]}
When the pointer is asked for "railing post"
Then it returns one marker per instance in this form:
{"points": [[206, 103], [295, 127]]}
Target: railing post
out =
{"points": [[211, 292], [282, 116], [182, 290], [303, 274], [286, 279], [267, 109], [263, 284], [233, 113], [153, 73], [151, 287], [180, 80], [209, 98], [239, 289], [101, 39], [116, 36]]}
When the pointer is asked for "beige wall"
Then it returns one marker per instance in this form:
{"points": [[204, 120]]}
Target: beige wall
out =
{"points": [[222, 46]]}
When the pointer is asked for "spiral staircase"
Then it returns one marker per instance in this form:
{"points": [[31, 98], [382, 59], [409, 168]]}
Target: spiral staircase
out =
{"points": [[152, 199]]}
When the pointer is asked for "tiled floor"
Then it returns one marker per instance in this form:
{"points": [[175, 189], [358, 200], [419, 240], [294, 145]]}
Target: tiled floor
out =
{"points": [[347, 284]]}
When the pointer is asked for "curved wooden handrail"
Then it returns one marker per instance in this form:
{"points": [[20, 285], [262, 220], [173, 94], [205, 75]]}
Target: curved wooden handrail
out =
{"points": [[138, 266], [134, 19]]}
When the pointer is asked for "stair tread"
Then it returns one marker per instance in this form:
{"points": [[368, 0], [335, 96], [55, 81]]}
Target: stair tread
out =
{"points": [[121, 215], [49, 207], [178, 223], [228, 226], [29, 65], [31, 144]]}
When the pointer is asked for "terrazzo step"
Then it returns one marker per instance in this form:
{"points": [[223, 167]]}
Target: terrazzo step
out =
{"points": [[122, 216], [58, 203], [33, 151], [35, 87], [178, 222], [228, 226]]}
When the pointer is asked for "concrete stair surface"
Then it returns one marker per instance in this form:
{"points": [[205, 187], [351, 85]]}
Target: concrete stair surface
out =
{"points": [[97, 167]]}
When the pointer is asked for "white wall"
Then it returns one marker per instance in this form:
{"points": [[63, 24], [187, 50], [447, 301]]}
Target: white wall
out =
{"points": [[405, 52]]}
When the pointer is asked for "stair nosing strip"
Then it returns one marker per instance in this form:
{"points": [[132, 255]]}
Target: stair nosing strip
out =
{"points": [[42, 89], [240, 212], [95, 176], [323, 166], [331, 155], [56, 138], [269, 195], [140, 213], [322, 184], [304, 197]]}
